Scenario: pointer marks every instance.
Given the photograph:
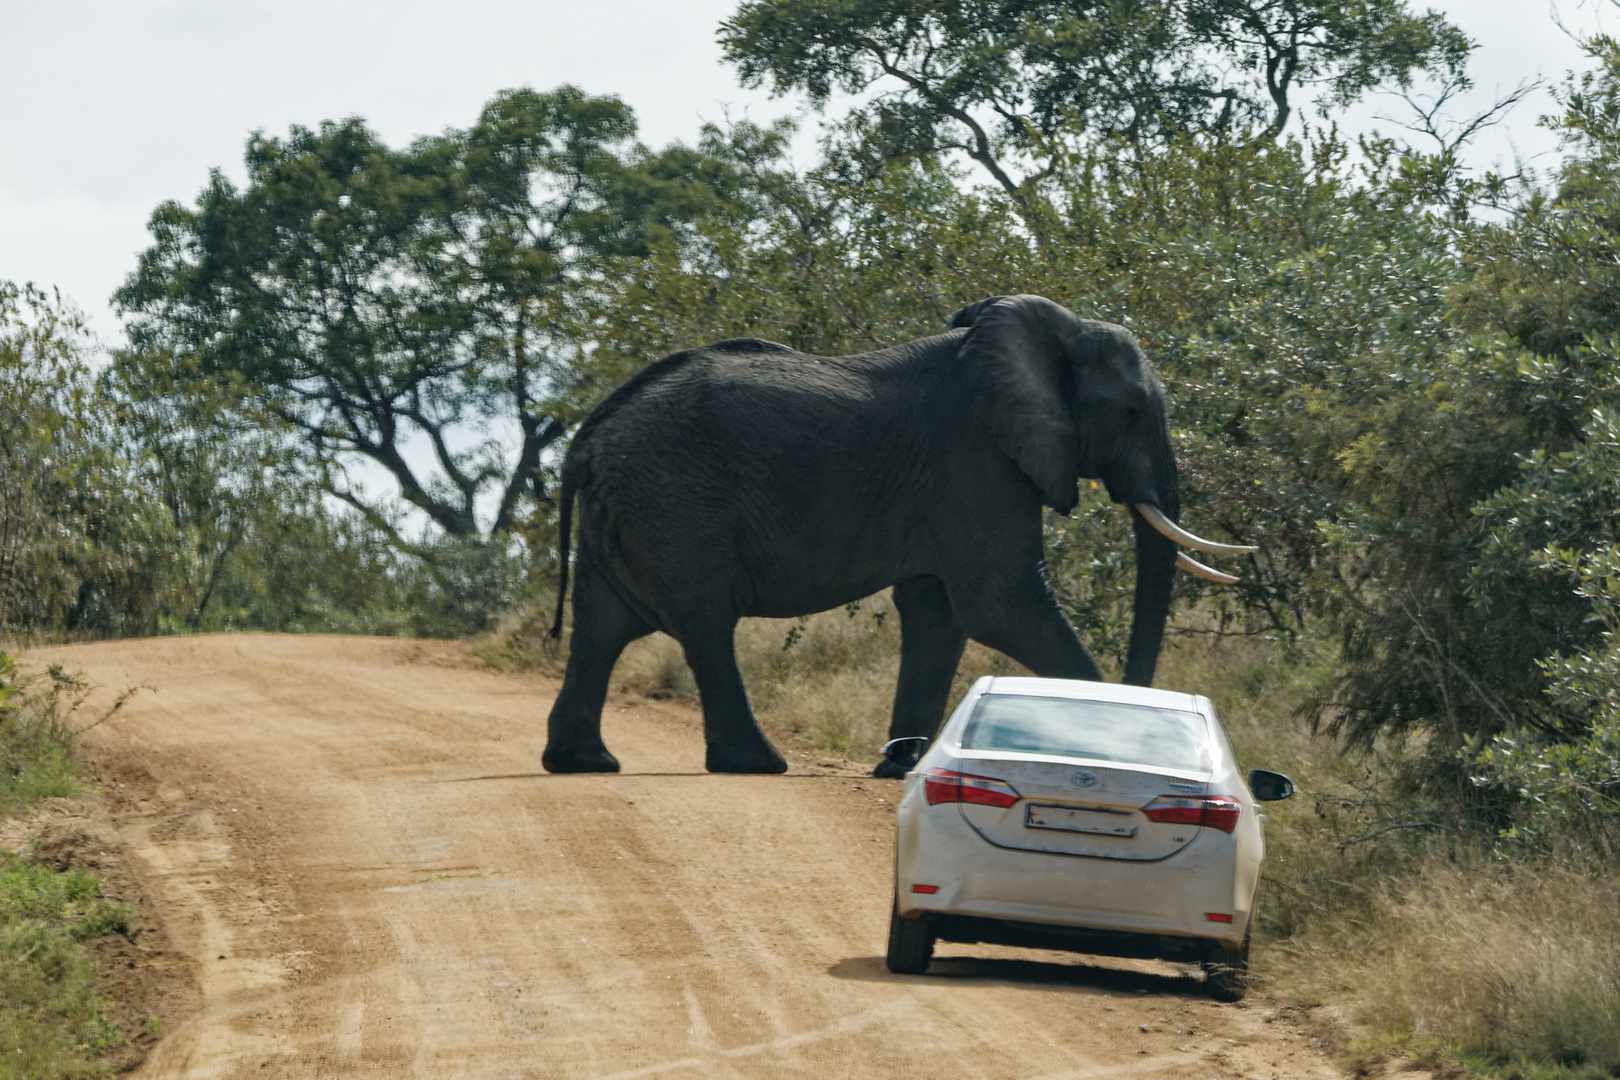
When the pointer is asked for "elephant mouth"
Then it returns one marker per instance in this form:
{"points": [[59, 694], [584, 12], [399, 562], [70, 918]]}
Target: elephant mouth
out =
{"points": [[1160, 521]]}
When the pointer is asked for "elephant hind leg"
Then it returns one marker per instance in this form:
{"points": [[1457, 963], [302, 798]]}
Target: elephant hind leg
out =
{"points": [[735, 742], [931, 643], [603, 625]]}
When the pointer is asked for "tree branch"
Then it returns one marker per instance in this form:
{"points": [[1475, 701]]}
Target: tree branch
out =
{"points": [[981, 151]]}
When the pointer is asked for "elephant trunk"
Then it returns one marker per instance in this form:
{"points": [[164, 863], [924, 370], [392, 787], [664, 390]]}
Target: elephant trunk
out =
{"points": [[1155, 572]]}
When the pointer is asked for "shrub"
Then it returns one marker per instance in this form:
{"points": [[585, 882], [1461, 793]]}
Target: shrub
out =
{"points": [[36, 748], [1568, 776]]}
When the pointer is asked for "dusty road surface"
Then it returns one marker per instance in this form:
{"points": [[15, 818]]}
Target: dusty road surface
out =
{"points": [[353, 841]]}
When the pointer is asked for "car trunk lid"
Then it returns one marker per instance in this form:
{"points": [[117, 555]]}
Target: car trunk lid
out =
{"points": [[1070, 806]]}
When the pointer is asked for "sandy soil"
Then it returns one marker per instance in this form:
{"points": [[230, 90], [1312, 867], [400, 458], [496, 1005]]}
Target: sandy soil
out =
{"points": [[352, 842]]}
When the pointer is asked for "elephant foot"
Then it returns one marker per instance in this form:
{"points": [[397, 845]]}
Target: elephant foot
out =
{"points": [[583, 759], [890, 769], [757, 758]]}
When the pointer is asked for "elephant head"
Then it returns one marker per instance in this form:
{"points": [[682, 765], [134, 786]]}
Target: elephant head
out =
{"points": [[1066, 398]]}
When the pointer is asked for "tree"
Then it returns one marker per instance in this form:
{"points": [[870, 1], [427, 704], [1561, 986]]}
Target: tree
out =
{"points": [[72, 532], [1003, 79], [372, 299], [1347, 48]]}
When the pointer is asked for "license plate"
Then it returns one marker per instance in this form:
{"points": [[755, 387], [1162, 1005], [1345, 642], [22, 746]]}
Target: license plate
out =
{"points": [[1072, 819]]}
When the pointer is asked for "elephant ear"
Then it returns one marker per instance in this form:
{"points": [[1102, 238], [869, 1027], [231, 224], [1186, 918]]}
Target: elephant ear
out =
{"points": [[966, 316], [1015, 360]]}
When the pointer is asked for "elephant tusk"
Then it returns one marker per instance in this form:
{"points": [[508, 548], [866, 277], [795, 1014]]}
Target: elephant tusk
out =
{"points": [[1155, 517], [1193, 566]]}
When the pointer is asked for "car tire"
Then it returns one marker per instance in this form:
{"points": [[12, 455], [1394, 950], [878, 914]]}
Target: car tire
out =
{"points": [[911, 944], [1226, 972]]}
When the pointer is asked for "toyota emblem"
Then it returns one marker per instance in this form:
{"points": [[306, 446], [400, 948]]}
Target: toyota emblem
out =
{"points": [[1083, 779]]}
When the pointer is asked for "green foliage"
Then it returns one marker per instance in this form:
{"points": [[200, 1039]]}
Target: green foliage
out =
{"points": [[1002, 79], [1500, 449], [72, 899], [128, 509], [73, 537], [1566, 768], [365, 296]]}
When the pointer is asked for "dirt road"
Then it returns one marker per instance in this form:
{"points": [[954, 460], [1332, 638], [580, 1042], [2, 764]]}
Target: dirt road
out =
{"points": [[352, 839]]}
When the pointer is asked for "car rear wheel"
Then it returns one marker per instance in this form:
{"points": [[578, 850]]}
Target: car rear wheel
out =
{"points": [[1226, 972], [911, 944]]}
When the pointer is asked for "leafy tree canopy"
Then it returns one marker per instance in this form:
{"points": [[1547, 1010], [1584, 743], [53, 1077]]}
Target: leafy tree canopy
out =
{"points": [[375, 300], [998, 78]]}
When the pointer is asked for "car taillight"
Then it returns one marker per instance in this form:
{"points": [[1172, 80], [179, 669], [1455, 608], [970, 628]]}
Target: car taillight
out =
{"points": [[944, 785], [1216, 811]]}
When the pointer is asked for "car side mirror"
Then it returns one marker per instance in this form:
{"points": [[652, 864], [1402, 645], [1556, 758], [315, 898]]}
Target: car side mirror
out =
{"points": [[907, 751], [1269, 786]]}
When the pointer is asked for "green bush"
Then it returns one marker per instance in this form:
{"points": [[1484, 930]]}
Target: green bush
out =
{"points": [[1568, 777]]}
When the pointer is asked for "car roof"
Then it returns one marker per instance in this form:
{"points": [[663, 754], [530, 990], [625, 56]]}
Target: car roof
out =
{"points": [[1084, 690]]}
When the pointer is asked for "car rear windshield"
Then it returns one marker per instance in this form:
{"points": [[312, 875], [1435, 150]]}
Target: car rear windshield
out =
{"points": [[1102, 730]]}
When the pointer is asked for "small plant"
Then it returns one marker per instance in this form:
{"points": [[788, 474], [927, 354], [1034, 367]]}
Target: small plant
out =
{"points": [[102, 919], [38, 730]]}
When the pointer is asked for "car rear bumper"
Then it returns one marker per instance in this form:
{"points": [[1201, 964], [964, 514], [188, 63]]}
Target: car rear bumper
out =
{"points": [[972, 929], [974, 879]]}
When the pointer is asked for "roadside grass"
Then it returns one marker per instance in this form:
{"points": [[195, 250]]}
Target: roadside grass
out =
{"points": [[1509, 967], [51, 1020], [52, 1023]]}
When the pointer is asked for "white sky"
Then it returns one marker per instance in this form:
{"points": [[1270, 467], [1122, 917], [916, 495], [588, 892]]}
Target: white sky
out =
{"points": [[107, 108]]}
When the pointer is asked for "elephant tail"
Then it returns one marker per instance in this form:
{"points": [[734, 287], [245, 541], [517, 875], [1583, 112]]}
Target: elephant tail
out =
{"points": [[565, 528]]}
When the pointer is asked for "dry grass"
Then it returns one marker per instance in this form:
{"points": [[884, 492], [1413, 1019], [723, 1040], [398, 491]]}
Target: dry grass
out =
{"points": [[829, 677], [1510, 967]]}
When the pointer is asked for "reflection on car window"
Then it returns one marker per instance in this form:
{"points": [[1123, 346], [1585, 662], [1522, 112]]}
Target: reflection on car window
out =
{"points": [[1102, 730]]}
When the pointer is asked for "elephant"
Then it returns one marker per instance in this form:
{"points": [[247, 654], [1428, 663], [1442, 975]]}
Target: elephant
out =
{"points": [[745, 478]]}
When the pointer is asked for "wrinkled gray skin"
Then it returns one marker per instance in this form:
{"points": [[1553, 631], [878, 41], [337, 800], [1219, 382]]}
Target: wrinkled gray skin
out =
{"points": [[745, 478]]}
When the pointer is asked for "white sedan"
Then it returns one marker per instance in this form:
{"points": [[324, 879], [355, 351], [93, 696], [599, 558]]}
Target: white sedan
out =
{"points": [[1084, 816]]}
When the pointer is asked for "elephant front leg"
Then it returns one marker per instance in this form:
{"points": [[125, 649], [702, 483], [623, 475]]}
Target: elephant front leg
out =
{"points": [[1016, 613], [735, 742], [603, 625], [931, 643]]}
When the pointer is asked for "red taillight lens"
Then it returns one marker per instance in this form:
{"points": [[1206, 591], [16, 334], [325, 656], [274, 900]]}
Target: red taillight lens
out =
{"points": [[1216, 811], [943, 785]]}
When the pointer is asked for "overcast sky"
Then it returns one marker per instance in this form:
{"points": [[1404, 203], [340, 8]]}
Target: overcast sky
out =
{"points": [[107, 108]]}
